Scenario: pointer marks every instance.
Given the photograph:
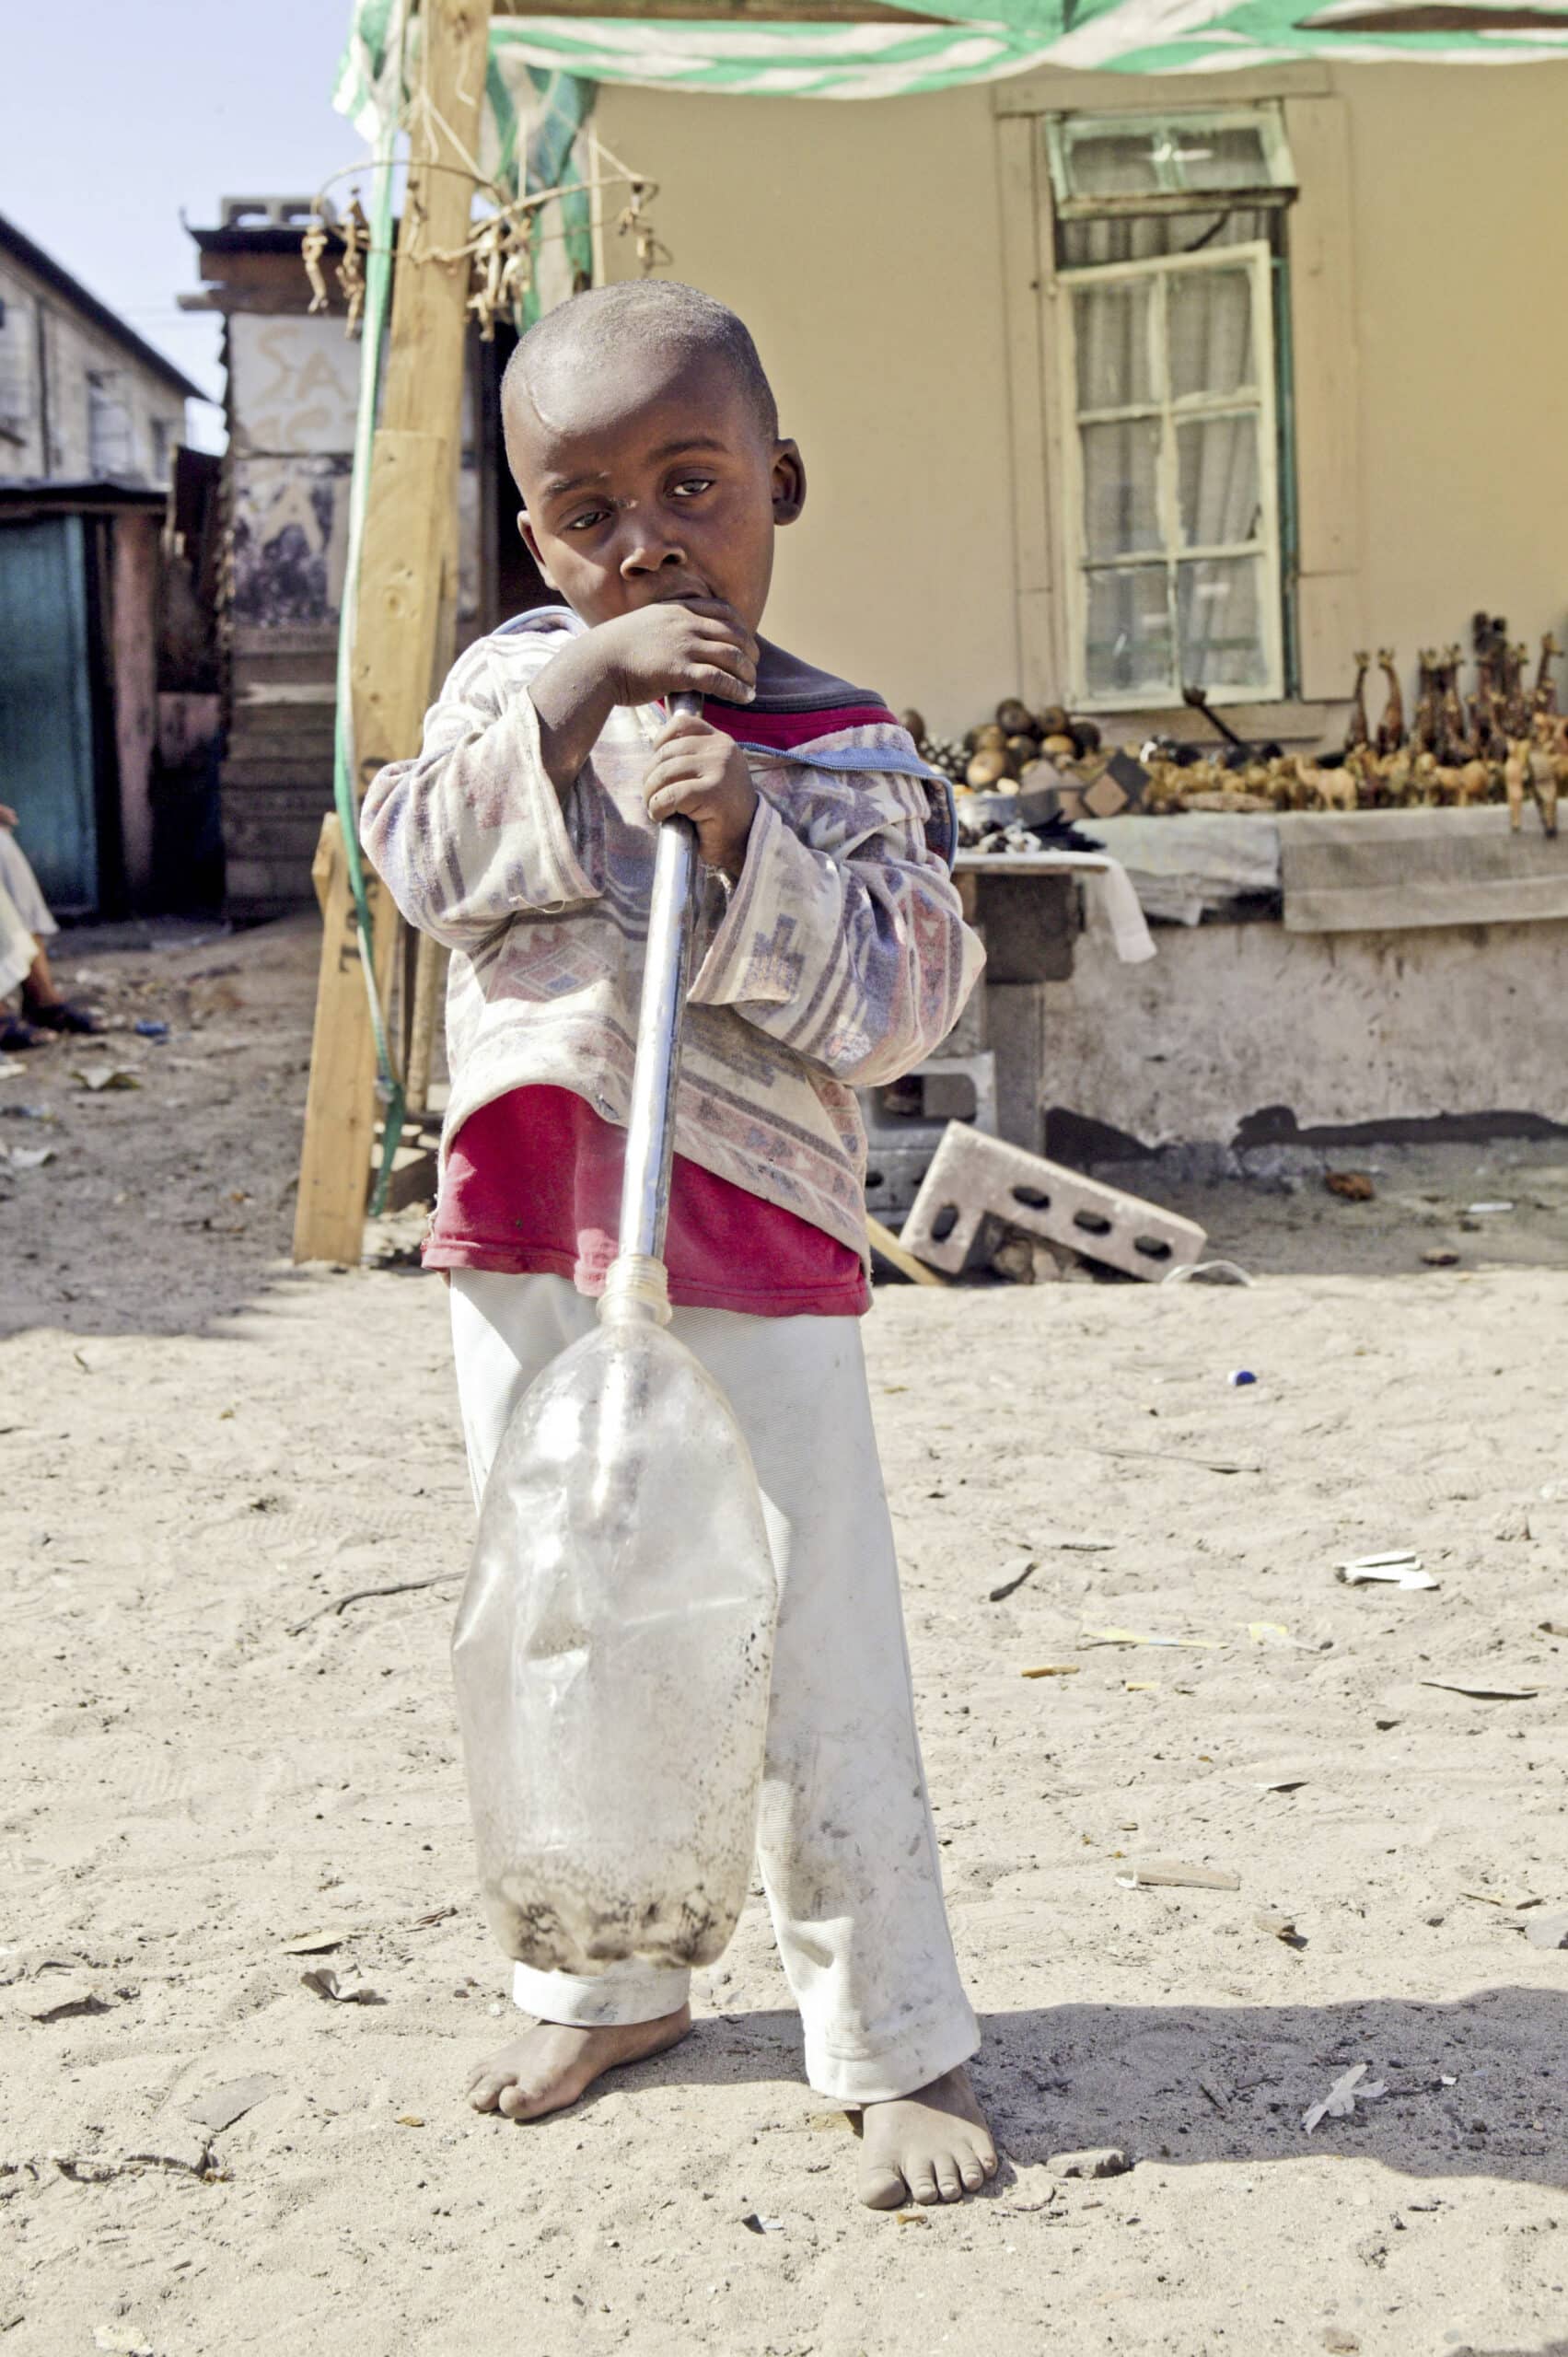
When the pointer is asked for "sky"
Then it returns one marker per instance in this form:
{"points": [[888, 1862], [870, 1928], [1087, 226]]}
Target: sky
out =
{"points": [[116, 115]]}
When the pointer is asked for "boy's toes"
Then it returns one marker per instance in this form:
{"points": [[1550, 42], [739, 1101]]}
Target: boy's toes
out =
{"points": [[485, 2090], [973, 2171], [882, 2187]]}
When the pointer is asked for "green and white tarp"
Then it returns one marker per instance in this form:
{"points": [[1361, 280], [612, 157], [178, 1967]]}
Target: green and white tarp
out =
{"points": [[888, 60]]}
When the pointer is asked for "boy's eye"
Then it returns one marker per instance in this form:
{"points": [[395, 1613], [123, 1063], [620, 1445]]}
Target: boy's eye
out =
{"points": [[690, 486], [586, 520]]}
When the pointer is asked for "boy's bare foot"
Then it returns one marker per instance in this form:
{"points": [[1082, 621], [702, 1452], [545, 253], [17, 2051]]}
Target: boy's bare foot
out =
{"points": [[933, 2145], [552, 2064]]}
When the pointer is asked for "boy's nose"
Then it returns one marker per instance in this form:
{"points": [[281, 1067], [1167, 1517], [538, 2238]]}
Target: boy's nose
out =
{"points": [[650, 553]]}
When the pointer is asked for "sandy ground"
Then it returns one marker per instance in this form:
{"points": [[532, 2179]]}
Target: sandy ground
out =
{"points": [[202, 1448]]}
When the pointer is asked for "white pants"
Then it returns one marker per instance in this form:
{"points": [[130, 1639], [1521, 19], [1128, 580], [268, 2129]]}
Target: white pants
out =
{"points": [[845, 1842], [24, 913]]}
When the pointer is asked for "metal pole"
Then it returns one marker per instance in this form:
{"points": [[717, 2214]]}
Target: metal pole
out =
{"points": [[650, 1122]]}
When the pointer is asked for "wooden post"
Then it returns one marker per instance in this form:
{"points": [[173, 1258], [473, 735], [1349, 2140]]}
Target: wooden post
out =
{"points": [[408, 547]]}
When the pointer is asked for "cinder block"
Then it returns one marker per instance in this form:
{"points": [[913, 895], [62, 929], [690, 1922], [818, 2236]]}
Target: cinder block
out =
{"points": [[946, 1088], [906, 1122], [972, 1177], [892, 1179]]}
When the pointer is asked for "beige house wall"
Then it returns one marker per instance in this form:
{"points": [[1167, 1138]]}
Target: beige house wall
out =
{"points": [[864, 243]]}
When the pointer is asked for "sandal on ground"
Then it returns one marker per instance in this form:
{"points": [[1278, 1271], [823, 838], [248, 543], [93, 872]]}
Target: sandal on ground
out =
{"points": [[61, 1015], [15, 1034]]}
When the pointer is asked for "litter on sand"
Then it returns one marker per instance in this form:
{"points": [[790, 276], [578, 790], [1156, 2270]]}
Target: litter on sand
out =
{"points": [[107, 1076], [1351, 1185], [1240, 1377], [1397, 1570], [1171, 1873], [322, 1982], [1547, 1931], [1483, 1689], [1010, 1587], [221, 2106], [1283, 1784], [1054, 1669], [759, 2226], [318, 1943], [27, 1157], [1279, 1926], [1484, 1211], [1340, 2101], [1087, 1637]]}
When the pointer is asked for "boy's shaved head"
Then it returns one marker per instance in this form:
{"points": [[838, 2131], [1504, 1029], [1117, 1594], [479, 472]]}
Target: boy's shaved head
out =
{"points": [[641, 319]]}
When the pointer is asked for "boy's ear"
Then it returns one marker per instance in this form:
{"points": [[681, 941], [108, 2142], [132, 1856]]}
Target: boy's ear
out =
{"points": [[526, 528], [789, 483]]}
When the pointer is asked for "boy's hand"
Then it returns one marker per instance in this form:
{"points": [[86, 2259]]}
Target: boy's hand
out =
{"points": [[667, 649], [700, 774]]}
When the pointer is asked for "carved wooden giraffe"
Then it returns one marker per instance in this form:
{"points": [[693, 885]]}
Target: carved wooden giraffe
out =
{"points": [[1391, 727], [1456, 739], [1545, 697], [1356, 729], [1515, 702]]}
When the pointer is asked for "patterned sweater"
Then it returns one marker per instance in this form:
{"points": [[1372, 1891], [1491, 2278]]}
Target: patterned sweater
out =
{"points": [[839, 957]]}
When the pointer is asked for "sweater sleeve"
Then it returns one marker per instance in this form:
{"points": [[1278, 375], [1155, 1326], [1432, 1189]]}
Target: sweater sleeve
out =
{"points": [[470, 831], [844, 937]]}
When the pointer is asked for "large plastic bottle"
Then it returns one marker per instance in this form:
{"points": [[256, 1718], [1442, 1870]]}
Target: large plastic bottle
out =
{"points": [[613, 1654]]}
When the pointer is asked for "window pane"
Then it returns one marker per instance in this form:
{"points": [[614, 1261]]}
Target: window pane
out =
{"points": [[1217, 475], [1110, 334], [1122, 487], [1112, 163], [1231, 156], [1129, 631], [1080, 245], [1219, 614], [1210, 327]]}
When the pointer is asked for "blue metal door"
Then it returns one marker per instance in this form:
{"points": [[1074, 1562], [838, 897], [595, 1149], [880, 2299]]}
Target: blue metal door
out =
{"points": [[46, 732]]}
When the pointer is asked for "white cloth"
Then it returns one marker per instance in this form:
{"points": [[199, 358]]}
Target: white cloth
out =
{"points": [[845, 1842], [20, 885], [24, 914]]}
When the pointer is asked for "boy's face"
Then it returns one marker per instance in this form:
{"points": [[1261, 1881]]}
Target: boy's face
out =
{"points": [[658, 482]]}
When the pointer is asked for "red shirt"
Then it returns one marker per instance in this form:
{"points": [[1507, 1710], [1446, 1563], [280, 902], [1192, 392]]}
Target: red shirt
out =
{"points": [[532, 1182]]}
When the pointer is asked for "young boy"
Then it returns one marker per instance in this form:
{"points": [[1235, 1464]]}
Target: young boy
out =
{"points": [[830, 951]]}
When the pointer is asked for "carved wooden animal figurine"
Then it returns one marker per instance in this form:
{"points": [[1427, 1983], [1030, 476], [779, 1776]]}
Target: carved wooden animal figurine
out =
{"points": [[1515, 702], [1356, 730], [1484, 736], [1391, 727], [1423, 779], [1474, 782], [1547, 769], [1427, 727], [1455, 745], [1545, 698], [1515, 770]]}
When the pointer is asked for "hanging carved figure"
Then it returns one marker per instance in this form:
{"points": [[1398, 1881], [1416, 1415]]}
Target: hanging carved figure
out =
{"points": [[489, 272], [312, 245], [354, 231], [1391, 727]]}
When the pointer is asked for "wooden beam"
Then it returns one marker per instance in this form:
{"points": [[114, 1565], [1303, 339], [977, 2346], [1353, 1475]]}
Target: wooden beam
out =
{"points": [[408, 547], [328, 1211], [887, 1248]]}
